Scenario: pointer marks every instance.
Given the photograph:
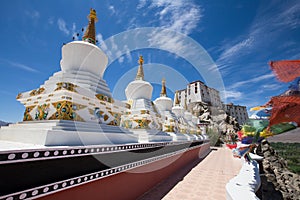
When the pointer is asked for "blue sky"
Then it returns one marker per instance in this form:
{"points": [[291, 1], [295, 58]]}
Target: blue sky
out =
{"points": [[240, 37]]}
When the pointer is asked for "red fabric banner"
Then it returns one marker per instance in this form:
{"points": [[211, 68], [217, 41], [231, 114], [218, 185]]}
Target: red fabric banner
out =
{"points": [[286, 70], [285, 109]]}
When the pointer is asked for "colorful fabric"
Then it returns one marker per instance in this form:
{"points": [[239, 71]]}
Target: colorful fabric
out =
{"points": [[286, 70], [257, 108], [285, 109], [240, 152]]}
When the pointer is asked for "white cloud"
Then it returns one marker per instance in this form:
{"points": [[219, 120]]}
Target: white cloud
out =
{"points": [[73, 31], [290, 16], [121, 59], [180, 15], [141, 4], [20, 66], [128, 55], [236, 49], [167, 40], [63, 26], [102, 45], [271, 86], [33, 14], [51, 20], [73, 27], [231, 94], [264, 30], [99, 38], [253, 80], [112, 9]]}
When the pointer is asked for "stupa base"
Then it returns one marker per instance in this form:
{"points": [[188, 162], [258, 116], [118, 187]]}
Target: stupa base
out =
{"points": [[66, 133]]}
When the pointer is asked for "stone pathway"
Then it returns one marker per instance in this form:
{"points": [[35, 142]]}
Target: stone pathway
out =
{"points": [[206, 180]]}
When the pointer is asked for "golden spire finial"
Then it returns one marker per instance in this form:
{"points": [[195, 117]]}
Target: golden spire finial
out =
{"points": [[141, 60], [176, 98], [140, 72], [92, 15], [90, 33], [163, 92]]}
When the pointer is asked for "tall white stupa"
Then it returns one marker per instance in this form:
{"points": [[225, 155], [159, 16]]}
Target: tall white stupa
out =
{"points": [[143, 117], [143, 113], [74, 104], [139, 89], [164, 105], [178, 110]]}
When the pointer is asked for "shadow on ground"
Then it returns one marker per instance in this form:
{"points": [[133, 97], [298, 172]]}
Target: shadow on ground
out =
{"points": [[268, 191], [162, 188]]}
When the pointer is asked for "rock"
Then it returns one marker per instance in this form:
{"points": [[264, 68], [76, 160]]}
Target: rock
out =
{"points": [[277, 172], [215, 116], [280, 181], [267, 154], [277, 164], [271, 177], [285, 196], [285, 182], [273, 159], [265, 142]]}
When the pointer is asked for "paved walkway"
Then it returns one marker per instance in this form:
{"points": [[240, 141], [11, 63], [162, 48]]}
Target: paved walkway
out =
{"points": [[203, 180]]}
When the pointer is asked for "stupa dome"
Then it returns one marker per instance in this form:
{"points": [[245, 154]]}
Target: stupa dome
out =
{"points": [[139, 88], [163, 102], [83, 56]]}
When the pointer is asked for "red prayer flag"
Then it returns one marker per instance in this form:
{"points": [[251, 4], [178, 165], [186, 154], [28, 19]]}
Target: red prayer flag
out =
{"points": [[285, 109], [286, 70]]}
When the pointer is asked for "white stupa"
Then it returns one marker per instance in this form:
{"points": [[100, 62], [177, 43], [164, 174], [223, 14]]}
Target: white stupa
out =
{"points": [[177, 109], [139, 88], [74, 106], [143, 113], [143, 117], [180, 113], [164, 105]]}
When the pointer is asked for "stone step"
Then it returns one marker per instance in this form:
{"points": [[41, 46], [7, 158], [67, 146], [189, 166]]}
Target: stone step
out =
{"points": [[67, 126]]}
